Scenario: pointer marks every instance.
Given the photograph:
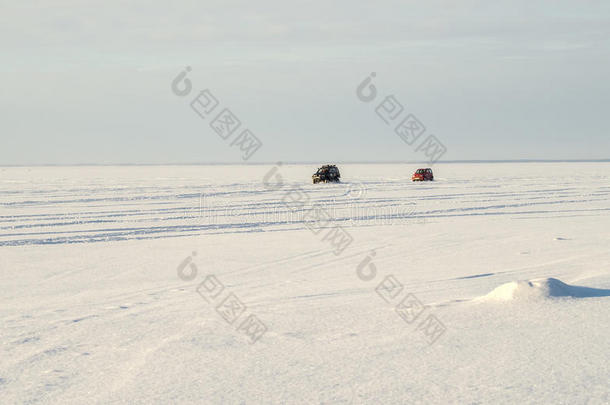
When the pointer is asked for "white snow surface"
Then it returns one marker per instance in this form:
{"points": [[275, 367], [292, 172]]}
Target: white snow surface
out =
{"points": [[512, 259], [543, 288]]}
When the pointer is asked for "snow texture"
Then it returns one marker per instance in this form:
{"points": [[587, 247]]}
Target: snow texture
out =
{"points": [[116, 285]]}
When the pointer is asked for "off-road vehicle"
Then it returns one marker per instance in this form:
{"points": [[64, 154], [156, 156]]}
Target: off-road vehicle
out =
{"points": [[326, 174], [423, 175]]}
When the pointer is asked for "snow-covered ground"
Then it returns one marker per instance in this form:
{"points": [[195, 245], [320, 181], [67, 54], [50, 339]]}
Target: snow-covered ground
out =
{"points": [[116, 284]]}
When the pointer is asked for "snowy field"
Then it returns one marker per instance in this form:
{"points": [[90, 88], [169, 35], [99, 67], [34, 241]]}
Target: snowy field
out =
{"points": [[219, 284]]}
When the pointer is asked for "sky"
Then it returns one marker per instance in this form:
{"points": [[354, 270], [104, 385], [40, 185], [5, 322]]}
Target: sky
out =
{"points": [[92, 81]]}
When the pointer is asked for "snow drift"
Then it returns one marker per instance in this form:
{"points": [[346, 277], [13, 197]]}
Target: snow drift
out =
{"points": [[541, 289]]}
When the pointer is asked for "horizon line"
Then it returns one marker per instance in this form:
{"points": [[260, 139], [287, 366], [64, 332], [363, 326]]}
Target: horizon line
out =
{"points": [[315, 162]]}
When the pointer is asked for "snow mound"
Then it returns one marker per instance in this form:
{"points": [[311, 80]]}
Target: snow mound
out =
{"points": [[542, 288]]}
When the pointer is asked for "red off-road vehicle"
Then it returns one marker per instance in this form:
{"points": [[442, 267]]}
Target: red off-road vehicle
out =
{"points": [[423, 175]]}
